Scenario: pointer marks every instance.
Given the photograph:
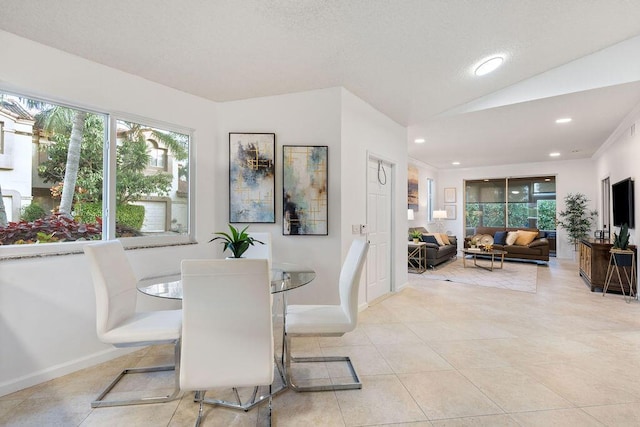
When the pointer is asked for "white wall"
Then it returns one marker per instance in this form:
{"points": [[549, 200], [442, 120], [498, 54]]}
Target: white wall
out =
{"points": [[619, 160], [308, 118], [47, 308], [420, 217], [577, 176], [366, 131], [349, 127]]}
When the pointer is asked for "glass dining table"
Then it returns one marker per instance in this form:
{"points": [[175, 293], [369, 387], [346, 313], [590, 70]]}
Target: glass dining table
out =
{"points": [[284, 277]]}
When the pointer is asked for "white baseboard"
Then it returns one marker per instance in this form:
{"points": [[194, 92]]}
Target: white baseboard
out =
{"points": [[57, 371]]}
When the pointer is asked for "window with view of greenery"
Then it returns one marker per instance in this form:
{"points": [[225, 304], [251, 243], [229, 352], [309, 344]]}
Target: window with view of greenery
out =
{"points": [[57, 167], [510, 202]]}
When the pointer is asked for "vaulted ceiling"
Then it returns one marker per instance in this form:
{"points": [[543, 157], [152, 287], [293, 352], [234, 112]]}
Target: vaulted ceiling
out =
{"points": [[410, 59]]}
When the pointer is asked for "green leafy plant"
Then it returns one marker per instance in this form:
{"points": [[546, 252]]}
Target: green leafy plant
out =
{"points": [[576, 218], [621, 241], [236, 241], [32, 212], [415, 234]]}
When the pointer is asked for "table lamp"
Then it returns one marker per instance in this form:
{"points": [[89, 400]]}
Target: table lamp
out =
{"points": [[439, 216]]}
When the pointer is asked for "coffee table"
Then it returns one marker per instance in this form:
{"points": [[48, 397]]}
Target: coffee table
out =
{"points": [[493, 254]]}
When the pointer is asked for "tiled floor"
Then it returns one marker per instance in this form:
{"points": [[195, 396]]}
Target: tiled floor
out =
{"points": [[436, 354]]}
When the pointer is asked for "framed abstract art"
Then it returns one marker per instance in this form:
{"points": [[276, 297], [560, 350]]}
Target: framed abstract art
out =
{"points": [[252, 183], [413, 195], [304, 189]]}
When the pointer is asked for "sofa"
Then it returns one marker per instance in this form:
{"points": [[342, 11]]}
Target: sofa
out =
{"points": [[519, 243], [437, 249]]}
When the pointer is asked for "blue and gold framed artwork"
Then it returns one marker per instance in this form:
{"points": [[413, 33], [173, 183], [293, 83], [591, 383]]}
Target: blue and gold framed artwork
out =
{"points": [[252, 183], [304, 184]]}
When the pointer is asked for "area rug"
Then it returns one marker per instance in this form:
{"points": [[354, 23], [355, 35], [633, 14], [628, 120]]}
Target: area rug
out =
{"points": [[516, 276]]}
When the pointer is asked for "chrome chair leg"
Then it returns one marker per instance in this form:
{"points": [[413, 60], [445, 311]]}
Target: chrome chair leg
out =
{"points": [[199, 419], [99, 402], [355, 385]]}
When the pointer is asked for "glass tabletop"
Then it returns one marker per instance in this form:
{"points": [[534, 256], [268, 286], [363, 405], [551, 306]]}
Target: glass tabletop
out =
{"points": [[284, 277]]}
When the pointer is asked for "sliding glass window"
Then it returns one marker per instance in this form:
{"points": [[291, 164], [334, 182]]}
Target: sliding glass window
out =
{"points": [[60, 179], [510, 202], [485, 204]]}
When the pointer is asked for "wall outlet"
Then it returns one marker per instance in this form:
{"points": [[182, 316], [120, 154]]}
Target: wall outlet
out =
{"points": [[364, 228], [355, 229]]}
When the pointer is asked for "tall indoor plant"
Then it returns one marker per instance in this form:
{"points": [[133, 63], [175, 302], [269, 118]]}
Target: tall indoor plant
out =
{"points": [[236, 241], [577, 219]]}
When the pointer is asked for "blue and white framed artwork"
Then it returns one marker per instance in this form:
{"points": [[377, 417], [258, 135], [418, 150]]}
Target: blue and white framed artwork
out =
{"points": [[252, 183], [305, 183]]}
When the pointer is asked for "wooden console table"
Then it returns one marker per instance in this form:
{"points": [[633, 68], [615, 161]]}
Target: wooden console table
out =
{"points": [[594, 258]]}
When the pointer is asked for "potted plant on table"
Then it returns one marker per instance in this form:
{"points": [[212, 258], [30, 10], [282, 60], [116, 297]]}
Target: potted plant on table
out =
{"points": [[236, 241], [620, 249], [416, 236]]}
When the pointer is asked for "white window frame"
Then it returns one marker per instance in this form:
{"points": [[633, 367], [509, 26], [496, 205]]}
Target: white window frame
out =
{"points": [[109, 158]]}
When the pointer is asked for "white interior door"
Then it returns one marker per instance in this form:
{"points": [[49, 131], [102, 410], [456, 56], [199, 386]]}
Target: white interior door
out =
{"points": [[379, 195]]}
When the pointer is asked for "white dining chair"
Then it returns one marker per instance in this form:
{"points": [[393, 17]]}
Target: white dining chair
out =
{"points": [[328, 320], [227, 329], [119, 324]]}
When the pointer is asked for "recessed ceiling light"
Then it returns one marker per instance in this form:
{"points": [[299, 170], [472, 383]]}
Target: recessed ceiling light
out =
{"points": [[564, 120], [547, 179], [455, 163], [419, 140], [515, 192], [489, 65], [554, 154], [486, 180]]}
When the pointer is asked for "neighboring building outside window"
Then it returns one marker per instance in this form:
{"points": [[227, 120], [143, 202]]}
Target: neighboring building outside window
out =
{"points": [[157, 155]]}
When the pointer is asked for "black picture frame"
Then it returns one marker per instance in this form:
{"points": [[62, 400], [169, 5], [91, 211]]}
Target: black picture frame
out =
{"points": [[305, 183], [252, 183]]}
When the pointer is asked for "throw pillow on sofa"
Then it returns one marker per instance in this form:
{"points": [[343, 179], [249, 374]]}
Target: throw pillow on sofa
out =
{"points": [[525, 237], [500, 237], [436, 236], [511, 237], [430, 238], [445, 239]]}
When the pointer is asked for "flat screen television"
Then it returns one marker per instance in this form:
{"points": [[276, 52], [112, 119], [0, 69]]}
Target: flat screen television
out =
{"points": [[623, 204]]}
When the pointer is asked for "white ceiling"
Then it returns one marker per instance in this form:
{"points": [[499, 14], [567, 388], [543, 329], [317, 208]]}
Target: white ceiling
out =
{"points": [[410, 59]]}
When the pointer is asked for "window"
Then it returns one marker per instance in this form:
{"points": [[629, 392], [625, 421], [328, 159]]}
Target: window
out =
{"points": [[510, 202], [152, 198], [64, 177], [430, 206], [157, 155]]}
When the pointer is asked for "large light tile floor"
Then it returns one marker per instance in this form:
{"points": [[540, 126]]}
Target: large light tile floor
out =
{"points": [[436, 354]]}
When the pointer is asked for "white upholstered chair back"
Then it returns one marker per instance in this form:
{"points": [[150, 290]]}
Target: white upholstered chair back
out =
{"points": [[350, 279], [227, 332], [114, 283]]}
